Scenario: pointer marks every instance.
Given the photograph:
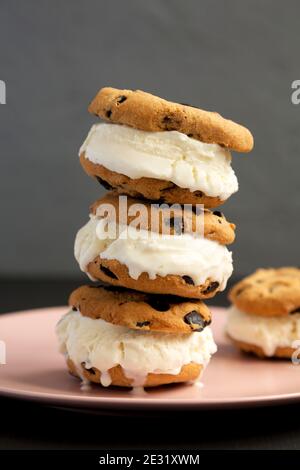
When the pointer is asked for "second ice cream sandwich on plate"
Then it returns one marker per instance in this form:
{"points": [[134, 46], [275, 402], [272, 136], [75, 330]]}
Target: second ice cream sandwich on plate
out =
{"points": [[164, 250]]}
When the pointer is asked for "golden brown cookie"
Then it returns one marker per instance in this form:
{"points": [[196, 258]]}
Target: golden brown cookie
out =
{"points": [[140, 311], [148, 188], [280, 352], [216, 227], [151, 113], [268, 292], [115, 273], [189, 372]]}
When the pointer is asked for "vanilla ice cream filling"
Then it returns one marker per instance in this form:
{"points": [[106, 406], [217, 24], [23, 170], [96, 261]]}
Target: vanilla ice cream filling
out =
{"points": [[155, 254], [102, 345], [268, 333], [167, 155]]}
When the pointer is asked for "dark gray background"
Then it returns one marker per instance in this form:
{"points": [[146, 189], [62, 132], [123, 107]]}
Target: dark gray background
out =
{"points": [[236, 57]]}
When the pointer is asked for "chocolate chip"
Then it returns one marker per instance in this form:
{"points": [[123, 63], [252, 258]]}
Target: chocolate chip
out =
{"points": [[196, 321], [218, 213], [211, 287], [108, 113], [198, 193], [167, 120], [188, 280], [296, 310], [140, 324], [104, 183], [108, 272], [74, 309], [163, 303], [121, 99], [239, 291], [176, 223], [158, 303], [170, 123]]}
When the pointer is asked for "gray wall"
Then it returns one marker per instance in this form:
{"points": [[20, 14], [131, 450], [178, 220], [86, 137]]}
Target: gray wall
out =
{"points": [[236, 57]]}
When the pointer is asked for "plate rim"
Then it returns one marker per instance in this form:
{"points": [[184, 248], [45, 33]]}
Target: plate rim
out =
{"points": [[138, 403]]}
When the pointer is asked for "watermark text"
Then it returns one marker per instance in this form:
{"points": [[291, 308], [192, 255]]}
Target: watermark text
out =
{"points": [[2, 92], [2, 352]]}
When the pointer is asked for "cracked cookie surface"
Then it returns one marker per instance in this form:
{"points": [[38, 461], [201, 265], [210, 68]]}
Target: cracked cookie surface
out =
{"points": [[268, 292], [140, 311], [147, 112]]}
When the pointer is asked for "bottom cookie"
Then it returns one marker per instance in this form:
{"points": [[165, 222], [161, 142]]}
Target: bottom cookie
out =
{"points": [[189, 372], [280, 352]]}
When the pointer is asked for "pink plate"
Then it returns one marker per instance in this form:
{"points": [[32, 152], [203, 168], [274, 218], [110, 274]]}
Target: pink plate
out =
{"points": [[35, 370]]}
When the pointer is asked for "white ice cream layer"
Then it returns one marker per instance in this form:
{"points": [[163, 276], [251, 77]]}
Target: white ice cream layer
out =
{"points": [[167, 155], [269, 333], [158, 254], [103, 345]]}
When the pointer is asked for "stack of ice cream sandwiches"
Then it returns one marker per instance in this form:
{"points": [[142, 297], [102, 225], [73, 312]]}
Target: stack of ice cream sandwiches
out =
{"points": [[152, 241]]}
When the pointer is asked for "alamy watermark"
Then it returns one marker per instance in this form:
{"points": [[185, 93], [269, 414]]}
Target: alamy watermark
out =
{"points": [[2, 92], [2, 352], [295, 96], [149, 221], [296, 354]]}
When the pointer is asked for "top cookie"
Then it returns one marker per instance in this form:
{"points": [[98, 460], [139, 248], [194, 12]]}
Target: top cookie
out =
{"points": [[151, 113], [141, 311], [268, 292]]}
